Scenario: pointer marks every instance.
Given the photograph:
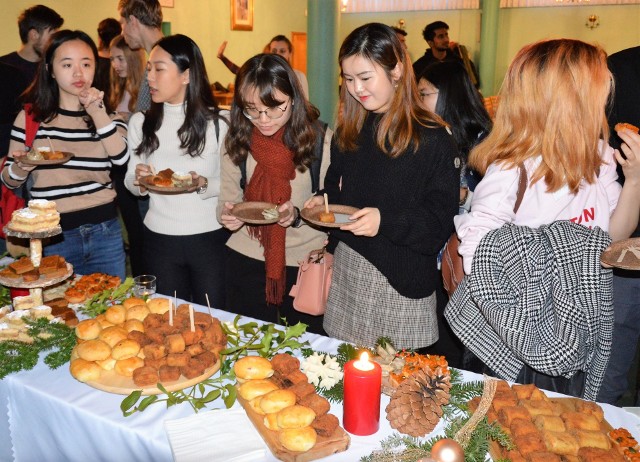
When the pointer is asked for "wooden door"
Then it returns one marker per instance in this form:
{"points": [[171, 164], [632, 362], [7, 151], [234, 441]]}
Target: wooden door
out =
{"points": [[299, 60]]}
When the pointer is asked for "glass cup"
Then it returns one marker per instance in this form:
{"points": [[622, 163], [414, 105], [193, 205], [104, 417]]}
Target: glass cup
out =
{"points": [[144, 286]]}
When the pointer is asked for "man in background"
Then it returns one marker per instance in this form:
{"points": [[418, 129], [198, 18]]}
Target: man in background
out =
{"points": [[141, 22], [35, 25], [436, 34], [108, 29], [625, 67]]}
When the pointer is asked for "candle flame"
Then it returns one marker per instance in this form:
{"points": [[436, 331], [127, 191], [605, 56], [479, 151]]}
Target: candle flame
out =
{"points": [[364, 357]]}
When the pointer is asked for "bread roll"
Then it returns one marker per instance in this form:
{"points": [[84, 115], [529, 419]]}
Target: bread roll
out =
{"points": [[254, 388], [252, 367], [127, 366], [133, 301], [116, 314], [107, 364], [159, 305], [85, 371], [295, 416], [125, 349], [138, 312], [93, 350], [88, 329], [271, 422], [102, 320], [277, 400], [298, 439], [134, 324], [112, 335]]}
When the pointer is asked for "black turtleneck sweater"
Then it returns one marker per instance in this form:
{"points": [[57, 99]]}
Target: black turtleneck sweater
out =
{"points": [[417, 195]]}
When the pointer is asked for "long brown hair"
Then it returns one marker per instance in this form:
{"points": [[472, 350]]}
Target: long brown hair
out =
{"points": [[135, 60], [552, 104], [396, 130], [268, 73]]}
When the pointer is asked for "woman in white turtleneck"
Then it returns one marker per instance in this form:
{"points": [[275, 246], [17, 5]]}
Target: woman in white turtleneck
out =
{"points": [[183, 130]]}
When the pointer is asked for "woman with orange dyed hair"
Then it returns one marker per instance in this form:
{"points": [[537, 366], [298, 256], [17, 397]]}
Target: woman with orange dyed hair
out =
{"points": [[552, 121]]}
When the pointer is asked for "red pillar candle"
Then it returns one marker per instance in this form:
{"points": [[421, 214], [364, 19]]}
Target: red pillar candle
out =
{"points": [[362, 387]]}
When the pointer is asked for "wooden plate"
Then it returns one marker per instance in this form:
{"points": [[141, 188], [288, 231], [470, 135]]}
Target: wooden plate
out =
{"points": [[623, 254], [121, 385], [41, 282], [65, 159], [251, 212], [341, 212], [324, 447], [144, 181]]}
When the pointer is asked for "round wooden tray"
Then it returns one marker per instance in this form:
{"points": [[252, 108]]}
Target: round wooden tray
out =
{"points": [[144, 181], [251, 212], [121, 385], [35, 235], [65, 159], [41, 282], [341, 212], [623, 254]]}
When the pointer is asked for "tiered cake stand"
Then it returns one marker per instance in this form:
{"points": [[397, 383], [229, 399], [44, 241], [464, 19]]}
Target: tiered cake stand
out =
{"points": [[35, 247]]}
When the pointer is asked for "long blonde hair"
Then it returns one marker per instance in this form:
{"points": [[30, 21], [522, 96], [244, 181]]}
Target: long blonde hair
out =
{"points": [[552, 104], [396, 132], [136, 62]]}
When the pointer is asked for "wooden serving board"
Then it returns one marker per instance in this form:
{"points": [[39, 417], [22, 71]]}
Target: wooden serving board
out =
{"points": [[324, 447], [569, 403]]}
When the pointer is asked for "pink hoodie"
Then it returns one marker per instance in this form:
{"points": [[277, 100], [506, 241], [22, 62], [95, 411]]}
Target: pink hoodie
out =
{"points": [[495, 196]]}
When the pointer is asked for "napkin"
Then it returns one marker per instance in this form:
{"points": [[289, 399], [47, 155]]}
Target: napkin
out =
{"points": [[219, 435]]}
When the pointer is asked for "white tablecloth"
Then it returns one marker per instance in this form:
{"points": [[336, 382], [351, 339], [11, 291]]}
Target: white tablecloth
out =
{"points": [[46, 415]]}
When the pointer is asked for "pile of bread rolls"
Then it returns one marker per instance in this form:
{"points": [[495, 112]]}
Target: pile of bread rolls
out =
{"points": [[280, 392], [136, 340]]}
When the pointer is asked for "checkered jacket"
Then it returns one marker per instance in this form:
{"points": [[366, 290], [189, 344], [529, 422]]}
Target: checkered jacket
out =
{"points": [[540, 297]]}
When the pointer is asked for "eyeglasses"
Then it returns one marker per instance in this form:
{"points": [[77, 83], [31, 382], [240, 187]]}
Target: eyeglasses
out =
{"points": [[271, 112]]}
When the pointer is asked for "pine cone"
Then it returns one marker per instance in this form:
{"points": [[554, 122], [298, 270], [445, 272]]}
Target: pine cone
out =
{"points": [[416, 406]]}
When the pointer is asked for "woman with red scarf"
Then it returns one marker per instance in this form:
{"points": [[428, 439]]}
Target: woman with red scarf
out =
{"points": [[274, 136]]}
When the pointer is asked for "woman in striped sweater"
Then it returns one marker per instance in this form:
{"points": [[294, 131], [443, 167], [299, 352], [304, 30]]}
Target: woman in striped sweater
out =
{"points": [[72, 116]]}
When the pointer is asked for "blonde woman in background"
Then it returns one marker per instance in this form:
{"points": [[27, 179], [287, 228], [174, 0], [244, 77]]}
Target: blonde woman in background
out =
{"points": [[127, 72]]}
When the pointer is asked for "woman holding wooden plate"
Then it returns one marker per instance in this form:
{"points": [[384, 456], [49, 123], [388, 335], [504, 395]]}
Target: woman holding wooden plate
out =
{"points": [[274, 136], [182, 131]]}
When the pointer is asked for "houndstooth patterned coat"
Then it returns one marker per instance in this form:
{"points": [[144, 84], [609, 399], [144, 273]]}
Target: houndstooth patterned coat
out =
{"points": [[540, 297]]}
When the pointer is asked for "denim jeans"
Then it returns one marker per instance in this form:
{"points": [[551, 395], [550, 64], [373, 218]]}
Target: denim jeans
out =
{"points": [[626, 331], [92, 248]]}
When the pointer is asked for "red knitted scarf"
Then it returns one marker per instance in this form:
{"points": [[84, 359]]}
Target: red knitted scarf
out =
{"points": [[270, 182]]}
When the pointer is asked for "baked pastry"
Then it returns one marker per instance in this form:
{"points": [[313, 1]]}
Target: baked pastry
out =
{"points": [[127, 366], [318, 404], [561, 442], [252, 367], [621, 125], [298, 439], [138, 312], [168, 373], [578, 421], [85, 371], [599, 455], [88, 329], [145, 376], [296, 416], [93, 350], [521, 427], [285, 363], [40, 215], [549, 422], [277, 400], [125, 349], [592, 439], [112, 335], [325, 425], [21, 266], [158, 305], [116, 314], [327, 217], [254, 388], [181, 179]]}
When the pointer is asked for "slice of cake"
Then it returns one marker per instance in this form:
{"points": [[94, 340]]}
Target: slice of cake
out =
{"points": [[41, 215], [181, 179]]}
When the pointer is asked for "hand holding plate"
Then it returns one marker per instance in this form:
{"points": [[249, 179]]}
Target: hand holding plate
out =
{"points": [[367, 222], [228, 220], [18, 156]]}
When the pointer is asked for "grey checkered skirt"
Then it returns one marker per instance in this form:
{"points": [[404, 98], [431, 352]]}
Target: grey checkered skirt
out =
{"points": [[362, 306]]}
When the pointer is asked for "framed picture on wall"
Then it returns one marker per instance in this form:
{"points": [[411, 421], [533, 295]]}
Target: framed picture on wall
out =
{"points": [[241, 14]]}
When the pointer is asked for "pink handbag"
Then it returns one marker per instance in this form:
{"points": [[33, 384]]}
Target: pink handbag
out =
{"points": [[311, 290]]}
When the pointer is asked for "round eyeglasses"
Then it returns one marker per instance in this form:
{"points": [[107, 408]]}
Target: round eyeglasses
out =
{"points": [[271, 112]]}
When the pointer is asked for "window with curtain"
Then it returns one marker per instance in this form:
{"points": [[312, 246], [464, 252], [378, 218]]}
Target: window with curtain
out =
{"points": [[380, 6], [534, 3]]}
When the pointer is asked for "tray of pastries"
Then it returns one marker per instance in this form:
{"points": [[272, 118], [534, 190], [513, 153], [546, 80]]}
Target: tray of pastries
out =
{"points": [[136, 345], [291, 417], [547, 429], [89, 285], [23, 273]]}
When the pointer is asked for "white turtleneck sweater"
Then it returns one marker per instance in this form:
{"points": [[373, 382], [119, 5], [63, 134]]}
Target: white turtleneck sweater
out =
{"points": [[178, 214]]}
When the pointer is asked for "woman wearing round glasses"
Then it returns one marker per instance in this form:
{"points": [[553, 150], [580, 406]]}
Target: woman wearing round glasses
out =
{"points": [[274, 136]]}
